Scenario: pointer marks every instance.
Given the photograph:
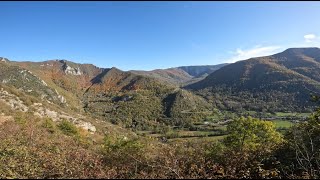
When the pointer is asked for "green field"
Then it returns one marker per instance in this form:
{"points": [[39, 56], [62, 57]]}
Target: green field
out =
{"points": [[282, 114], [196, 139], [215, 130], [282, 123]]}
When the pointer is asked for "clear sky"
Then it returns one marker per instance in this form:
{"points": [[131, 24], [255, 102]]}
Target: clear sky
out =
{"points": [[151, 35]]}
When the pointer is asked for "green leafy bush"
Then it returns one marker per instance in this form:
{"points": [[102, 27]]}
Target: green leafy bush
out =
{"points": [[68, 128], [49, 125]]}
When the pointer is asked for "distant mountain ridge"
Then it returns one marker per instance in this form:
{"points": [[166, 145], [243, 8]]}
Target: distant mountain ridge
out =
{"points": [[181, 75], [198, 71]]}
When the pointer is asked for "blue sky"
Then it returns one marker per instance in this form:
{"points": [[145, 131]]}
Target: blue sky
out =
{"points": [[151, 35]]}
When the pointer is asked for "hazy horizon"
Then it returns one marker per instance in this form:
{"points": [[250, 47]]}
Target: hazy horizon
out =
{"points": [[75, 61]]}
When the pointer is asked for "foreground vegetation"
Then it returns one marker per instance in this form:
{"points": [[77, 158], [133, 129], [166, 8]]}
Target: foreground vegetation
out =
{"points": [[40, 148]]}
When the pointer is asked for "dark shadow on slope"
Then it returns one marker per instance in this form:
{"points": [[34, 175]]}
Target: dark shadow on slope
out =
{"points": [[168, 103], [98, 78]]}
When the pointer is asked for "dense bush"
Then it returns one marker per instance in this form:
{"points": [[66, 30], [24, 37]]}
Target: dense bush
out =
{"points": [[68, 128], [300, 155]]}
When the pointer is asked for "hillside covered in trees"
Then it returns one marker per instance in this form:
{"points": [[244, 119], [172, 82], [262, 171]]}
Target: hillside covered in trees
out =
{"points": [[60, 119], [281, 82]]}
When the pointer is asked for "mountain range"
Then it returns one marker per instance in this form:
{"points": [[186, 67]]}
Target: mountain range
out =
{"points": [[180, 96]]}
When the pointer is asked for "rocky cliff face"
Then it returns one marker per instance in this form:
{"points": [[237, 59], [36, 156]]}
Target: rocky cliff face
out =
{"points": [[40, 110], [3, 59], [71, 70], [27, 82]]}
